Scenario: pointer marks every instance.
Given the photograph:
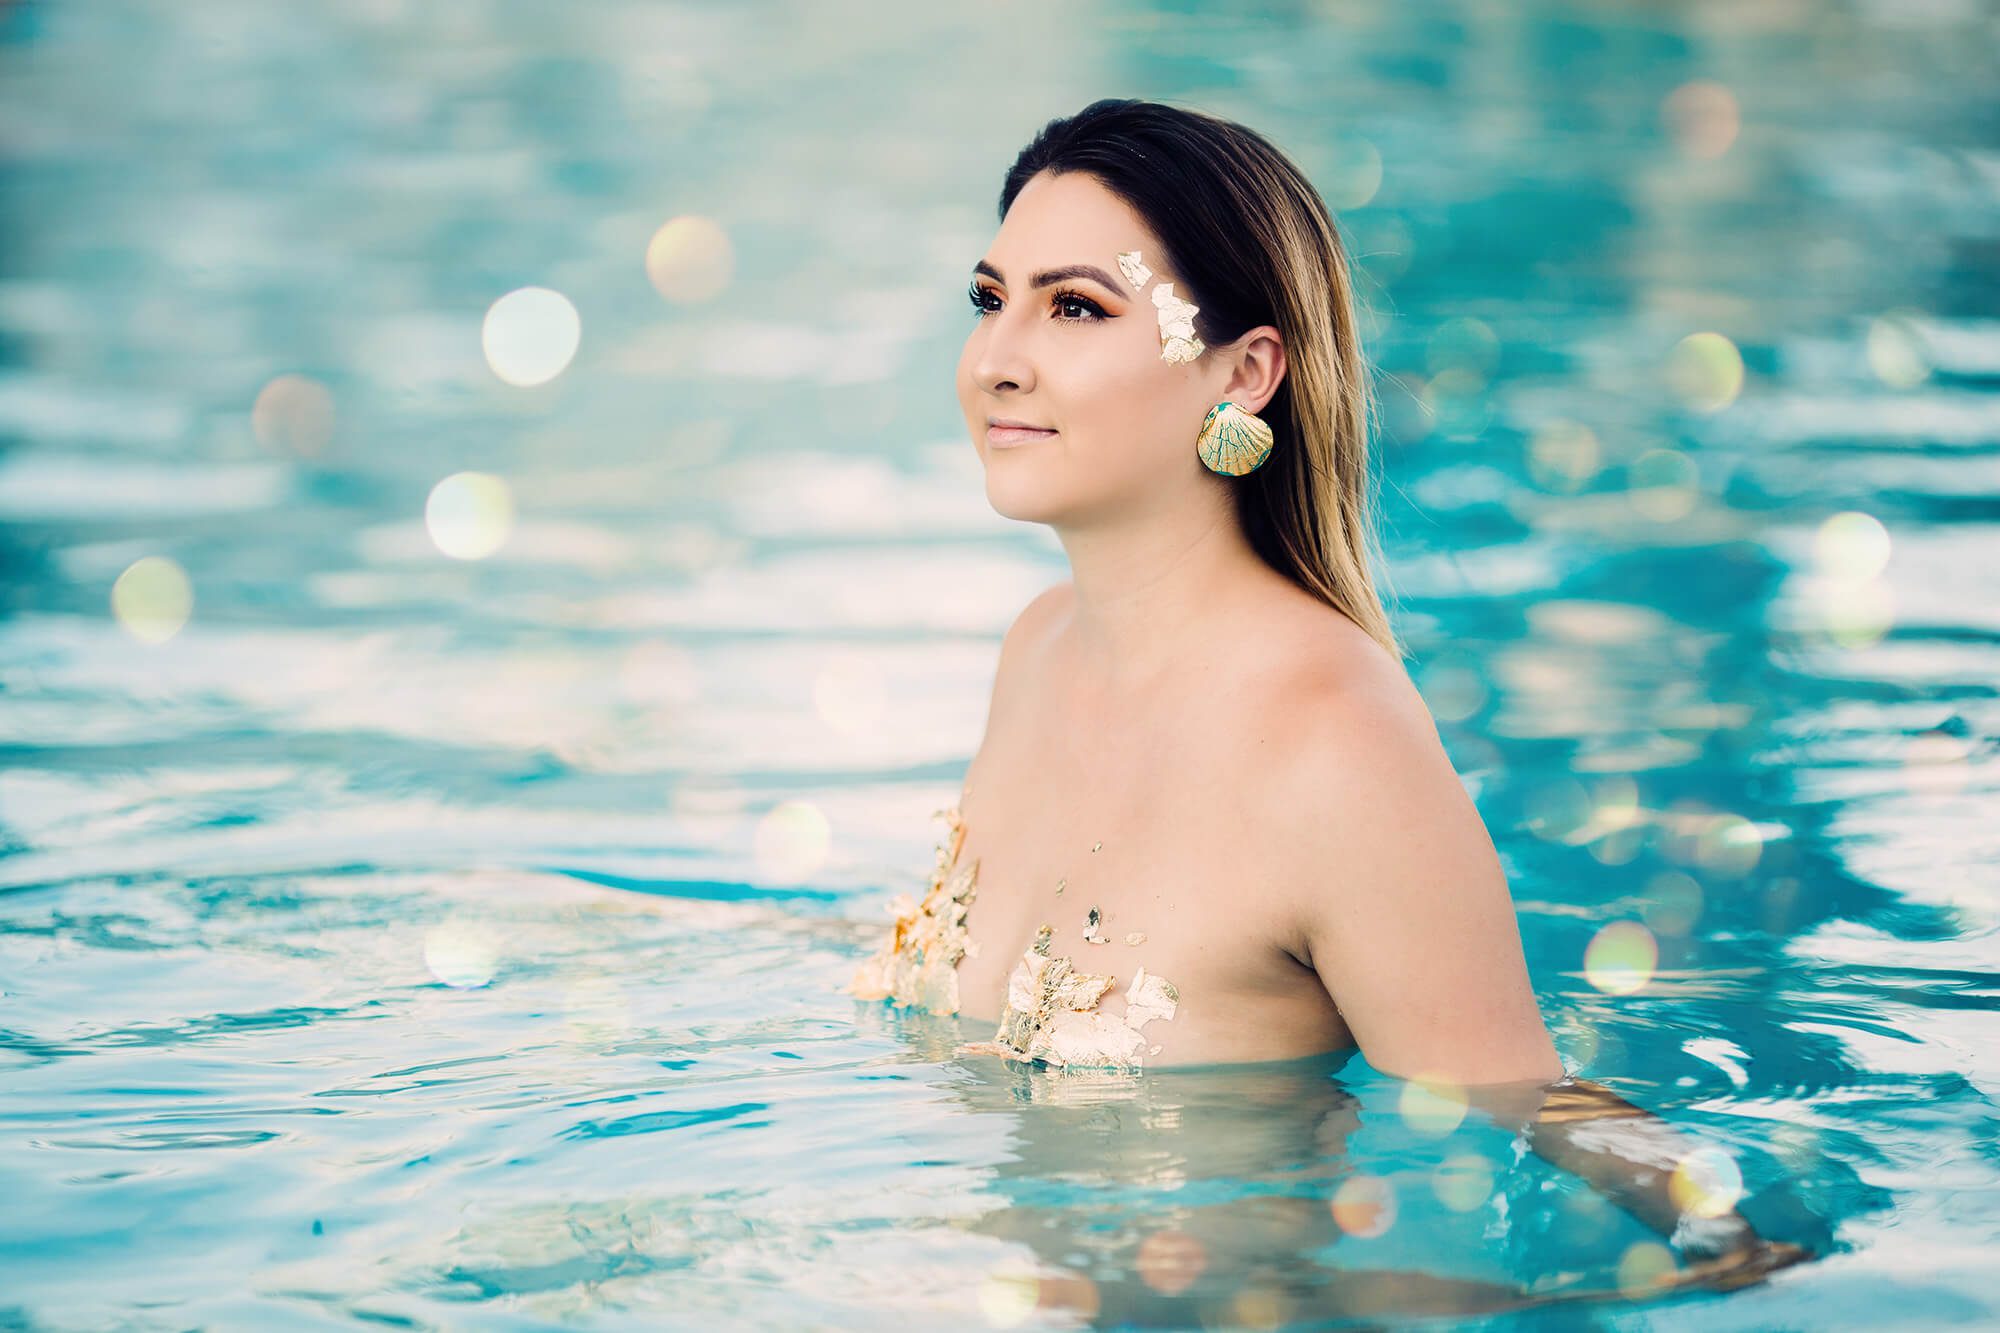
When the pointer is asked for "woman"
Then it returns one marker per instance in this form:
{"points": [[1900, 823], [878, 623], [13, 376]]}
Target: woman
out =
{"points": [[1211, 819], [1203, 757]]}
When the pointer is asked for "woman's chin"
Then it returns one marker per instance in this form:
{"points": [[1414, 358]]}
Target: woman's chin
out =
{"points": [[1022, 498]]}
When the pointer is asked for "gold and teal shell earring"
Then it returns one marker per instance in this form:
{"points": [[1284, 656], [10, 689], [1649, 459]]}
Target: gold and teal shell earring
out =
{"points": [[1233, 440]]}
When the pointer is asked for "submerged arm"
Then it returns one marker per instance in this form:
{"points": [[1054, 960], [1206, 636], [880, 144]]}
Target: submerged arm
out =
{"points": [[1629, 1155], [1406, 915]]}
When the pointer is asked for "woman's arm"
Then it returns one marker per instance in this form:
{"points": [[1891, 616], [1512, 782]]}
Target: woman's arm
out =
{"points": [[1629, 1155], [1405, 912], [1397, 896]]}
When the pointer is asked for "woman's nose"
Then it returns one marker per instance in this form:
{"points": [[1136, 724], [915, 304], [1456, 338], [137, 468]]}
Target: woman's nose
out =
{"points": [[1001, 360]]}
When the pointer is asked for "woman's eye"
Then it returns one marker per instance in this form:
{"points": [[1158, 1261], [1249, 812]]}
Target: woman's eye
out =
{"points": [[1064, 300], [1061, 301]]}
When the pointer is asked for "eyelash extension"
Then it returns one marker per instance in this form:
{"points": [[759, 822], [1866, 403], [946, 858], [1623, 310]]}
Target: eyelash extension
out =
{"points": [[976, 294]]}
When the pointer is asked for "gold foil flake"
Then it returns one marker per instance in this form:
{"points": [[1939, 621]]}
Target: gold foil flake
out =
{"points": [[1096, 846], [1177, 341], [1136, 937], [1135, 272], [1093, 928], [1059, 886], [1150, 997], [918, 964], [1052, 1015]]}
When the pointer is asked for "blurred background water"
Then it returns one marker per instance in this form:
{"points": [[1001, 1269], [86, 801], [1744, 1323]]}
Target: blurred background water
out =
{"points": [[495, 588]]}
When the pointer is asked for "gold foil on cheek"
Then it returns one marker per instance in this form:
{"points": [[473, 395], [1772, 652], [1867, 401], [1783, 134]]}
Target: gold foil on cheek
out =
{"points": [[1135, 271], [918, 964], [1177, 341]]}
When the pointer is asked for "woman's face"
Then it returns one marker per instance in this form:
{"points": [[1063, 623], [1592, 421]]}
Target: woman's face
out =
{"points": [[1081, 356]]}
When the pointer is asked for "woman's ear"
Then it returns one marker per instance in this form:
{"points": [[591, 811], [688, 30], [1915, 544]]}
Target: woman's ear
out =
{"points": [[1259, 358]]}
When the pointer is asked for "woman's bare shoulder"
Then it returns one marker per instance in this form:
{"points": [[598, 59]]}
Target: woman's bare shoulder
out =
{"points": [[1338, 705], [1029, 630], [1013, 670], [1321, 716], [1042, 607], [1315, 703], [1390, 879], [1316, 655]]}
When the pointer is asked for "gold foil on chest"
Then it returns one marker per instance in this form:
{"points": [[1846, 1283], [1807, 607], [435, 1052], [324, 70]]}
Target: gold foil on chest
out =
{"points": [[918, 965], [1052, 1012]]}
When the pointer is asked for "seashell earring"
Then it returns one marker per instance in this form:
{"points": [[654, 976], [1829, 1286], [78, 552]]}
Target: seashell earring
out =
{"points": [[1233, 440]]}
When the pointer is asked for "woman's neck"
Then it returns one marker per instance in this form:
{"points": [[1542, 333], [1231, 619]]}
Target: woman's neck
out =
{"points": [[1143, 596]]}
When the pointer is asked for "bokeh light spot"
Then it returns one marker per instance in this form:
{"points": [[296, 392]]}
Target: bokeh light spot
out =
{"points": [[1851, 545], [1381, 243], [1706, 371], [690, 259], [1897, 353], [1071, 1293], [469, 515], [1409, 415], [1618, 846], [461, 954], [792, 841], [1729, 845], [1644, 1265], [1463, 1181], [1259, 1307], [293, 414], [1459, 403], [1431, 1105], [1703, 118], [1664, 484], [1621, 957], [1453, 688], [1353, 174], [1563, 456], [1364, 1205], [152, 599], [1673, 902], [1169, 1261], [1557, 809], [1008, 1296], [850, 697], [1706, 1182], [531, 335], [1615, 829], [1615, 801], [1466, 345]]}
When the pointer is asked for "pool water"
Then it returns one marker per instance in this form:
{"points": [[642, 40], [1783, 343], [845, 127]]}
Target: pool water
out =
{"points": [[428, 905]]}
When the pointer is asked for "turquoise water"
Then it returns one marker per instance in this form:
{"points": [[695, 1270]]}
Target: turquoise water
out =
{"points": [[455, 942]]}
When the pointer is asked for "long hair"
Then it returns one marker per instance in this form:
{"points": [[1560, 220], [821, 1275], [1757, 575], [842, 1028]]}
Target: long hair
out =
{"points": [[1251, 242]]}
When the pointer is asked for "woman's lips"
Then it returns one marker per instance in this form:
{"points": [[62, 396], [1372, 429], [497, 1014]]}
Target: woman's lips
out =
{"points": [[1000, 437]]}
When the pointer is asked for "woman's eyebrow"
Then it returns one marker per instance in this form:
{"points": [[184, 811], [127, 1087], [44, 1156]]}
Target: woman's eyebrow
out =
{"points": [[1049, 277]]}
